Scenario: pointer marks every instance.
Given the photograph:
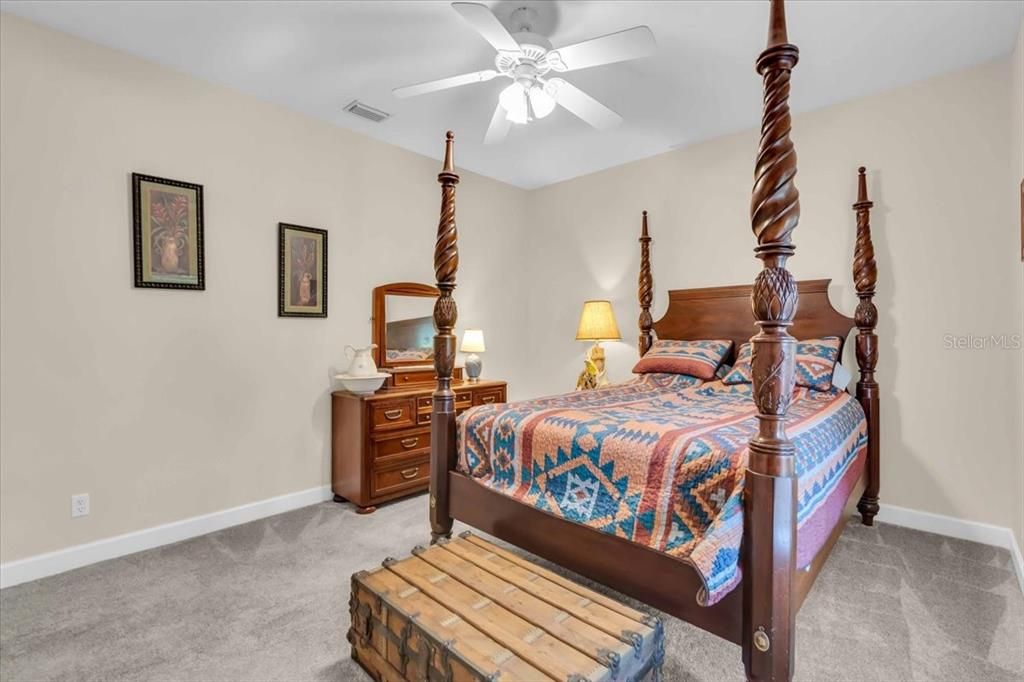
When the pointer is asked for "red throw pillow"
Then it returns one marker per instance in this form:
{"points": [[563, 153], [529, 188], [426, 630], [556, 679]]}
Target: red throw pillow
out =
{"points": [[697, 359]]}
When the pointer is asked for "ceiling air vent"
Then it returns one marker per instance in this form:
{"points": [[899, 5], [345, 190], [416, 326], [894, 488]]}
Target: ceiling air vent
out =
{"points": [[369, 113]]}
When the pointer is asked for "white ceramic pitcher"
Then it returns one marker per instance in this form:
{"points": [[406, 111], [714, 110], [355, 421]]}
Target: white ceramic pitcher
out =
{"points": [[361, 362]]}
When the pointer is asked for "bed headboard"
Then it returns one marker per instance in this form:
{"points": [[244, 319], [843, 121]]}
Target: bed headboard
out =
{"points": [[725, 313]]}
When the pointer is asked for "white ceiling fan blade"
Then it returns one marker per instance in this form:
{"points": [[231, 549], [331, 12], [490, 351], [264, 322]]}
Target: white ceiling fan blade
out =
{"points": [[633, 43], [483, 20], [583, 106], [499, 126], [444, 83]]}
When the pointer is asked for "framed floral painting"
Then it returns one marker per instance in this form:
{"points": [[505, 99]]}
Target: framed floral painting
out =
{"points": [[301, 271], [167, 233]]}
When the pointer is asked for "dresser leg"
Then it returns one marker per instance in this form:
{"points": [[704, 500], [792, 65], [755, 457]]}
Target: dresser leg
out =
{"points": [[359, 510]]}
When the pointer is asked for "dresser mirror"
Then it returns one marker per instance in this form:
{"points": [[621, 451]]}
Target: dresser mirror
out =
{"points": [[403, 324]]}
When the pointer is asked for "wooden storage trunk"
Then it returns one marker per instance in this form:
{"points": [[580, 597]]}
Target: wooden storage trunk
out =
{"points": [[468, 610]]}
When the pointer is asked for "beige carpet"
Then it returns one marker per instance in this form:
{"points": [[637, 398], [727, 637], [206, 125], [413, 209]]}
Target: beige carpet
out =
{"points": [[268, 601]]}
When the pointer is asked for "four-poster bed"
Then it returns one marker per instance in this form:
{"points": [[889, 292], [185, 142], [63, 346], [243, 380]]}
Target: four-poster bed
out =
{"points": [[759, 614]]}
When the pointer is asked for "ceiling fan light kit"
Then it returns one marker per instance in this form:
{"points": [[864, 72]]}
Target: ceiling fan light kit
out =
{"points": [[527, 59]]}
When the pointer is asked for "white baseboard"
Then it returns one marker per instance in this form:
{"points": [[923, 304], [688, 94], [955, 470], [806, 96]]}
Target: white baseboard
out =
{"points": [[51, 563], [974, 531], [1018, 561]]}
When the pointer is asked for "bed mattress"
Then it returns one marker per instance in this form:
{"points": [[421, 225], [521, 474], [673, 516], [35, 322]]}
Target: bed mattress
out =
{"points": [[660, 461]]}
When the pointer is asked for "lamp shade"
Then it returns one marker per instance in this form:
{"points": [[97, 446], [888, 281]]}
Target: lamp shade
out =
{"points": [[473, 341], [597, 322]]}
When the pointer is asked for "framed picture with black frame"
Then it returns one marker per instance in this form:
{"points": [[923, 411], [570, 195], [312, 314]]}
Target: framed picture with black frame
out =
{"points": [[302, 271], [167, 233]]}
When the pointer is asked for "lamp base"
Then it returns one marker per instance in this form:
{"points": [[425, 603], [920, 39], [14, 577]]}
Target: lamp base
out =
{"points": [[473, 367]]}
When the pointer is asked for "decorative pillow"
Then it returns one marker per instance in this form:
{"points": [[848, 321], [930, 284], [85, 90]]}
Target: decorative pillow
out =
{"points": [[740, 373], [696, 358], [815, 362]]}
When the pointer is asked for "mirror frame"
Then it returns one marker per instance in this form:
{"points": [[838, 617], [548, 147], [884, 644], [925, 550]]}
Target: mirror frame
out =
{"points": [[380, 322]]}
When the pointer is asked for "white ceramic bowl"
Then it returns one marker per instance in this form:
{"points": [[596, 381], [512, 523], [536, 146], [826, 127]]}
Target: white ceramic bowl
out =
{"points": [[362, 385]]}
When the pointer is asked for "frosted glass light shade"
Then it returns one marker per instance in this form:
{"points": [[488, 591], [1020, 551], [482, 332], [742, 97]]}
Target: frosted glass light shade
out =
{"points": [[597, 322], [513, 101], [541, 102], [473, 341]]}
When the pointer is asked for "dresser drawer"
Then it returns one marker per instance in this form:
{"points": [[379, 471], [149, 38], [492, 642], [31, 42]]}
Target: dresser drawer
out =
{"points": [[487, 396], [401, 444], [423, 418], [463, 399], [415, 377], [424, 406], [393, 414], [410, 473]]}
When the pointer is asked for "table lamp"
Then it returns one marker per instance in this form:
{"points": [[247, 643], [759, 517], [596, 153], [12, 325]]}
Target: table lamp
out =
{"points": [[473, 343], [597, 323]]}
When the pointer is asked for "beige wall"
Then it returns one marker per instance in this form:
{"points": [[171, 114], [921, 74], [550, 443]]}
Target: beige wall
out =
{"points": [[168, 404], [165, 405], [1016, 178], [947, 254]]}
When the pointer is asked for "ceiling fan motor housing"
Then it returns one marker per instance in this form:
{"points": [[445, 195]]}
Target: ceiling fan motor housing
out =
{"points": [[533, 44], [530, 62]]}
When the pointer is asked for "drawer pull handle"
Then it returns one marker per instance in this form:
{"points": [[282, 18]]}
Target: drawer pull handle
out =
{"points": [[409, 443], [392, 415], [487, 399], [409, 474]]}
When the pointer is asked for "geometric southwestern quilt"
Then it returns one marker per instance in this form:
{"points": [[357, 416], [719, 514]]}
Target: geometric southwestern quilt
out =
{"points": [[659, 461]]}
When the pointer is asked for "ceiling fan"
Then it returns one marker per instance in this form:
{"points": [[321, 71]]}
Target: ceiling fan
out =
{"points": [[527, 59]]}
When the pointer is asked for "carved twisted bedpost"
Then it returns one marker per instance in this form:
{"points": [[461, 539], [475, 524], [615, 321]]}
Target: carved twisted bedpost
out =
{"points": [[769, 532], [442, 420], [865, 274], [645, 290]]}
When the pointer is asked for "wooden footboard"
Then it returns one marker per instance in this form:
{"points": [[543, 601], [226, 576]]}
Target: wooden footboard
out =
{"points": [[653, 578]]}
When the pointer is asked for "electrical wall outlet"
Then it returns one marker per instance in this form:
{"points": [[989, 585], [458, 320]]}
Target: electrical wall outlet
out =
{"points": [[79, 505]]}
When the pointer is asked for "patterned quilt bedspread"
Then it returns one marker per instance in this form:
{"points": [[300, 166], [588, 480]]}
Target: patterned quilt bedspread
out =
{"points": [[658, 460]]}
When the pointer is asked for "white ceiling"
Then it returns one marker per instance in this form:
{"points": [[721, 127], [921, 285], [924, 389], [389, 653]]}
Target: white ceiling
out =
{"points": [[315, 57]]}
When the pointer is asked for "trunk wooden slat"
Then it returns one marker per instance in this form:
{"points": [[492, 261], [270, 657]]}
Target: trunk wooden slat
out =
{"points": [[555, 621], [468, 610], [578, 600], [565, 583]]}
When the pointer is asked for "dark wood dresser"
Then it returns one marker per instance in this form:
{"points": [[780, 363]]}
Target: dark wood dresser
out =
{"points": [[380, 443]]}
